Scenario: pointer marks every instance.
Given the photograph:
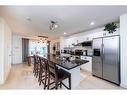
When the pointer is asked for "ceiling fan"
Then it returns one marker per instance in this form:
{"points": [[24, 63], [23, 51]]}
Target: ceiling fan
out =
{"points": [[53, 25]]}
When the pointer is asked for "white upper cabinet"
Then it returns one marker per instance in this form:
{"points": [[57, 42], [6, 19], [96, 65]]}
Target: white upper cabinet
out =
{"points": [[70, 41], [87, 36], [97, 34], [80, 39]]}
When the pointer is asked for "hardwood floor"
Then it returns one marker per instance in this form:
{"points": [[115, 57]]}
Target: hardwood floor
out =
{"points": [[21, 77]]}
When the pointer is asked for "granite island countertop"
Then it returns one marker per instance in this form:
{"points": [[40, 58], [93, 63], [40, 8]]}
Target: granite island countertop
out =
{"points": [[64, 63]]}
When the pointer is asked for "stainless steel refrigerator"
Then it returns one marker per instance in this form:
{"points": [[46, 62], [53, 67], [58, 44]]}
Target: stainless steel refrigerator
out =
{"points": [[106, 59]]}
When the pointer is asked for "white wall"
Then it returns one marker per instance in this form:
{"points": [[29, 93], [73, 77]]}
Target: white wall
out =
{"points": [[5, 50], [123, 42], [16, 49], [1, 52]]}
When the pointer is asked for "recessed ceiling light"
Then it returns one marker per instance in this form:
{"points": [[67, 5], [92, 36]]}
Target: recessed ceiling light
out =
{"points": [[92, 23], [65, 33]]}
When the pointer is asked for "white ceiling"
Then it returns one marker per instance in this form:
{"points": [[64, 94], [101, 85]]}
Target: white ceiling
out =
{"points": [[71, 19]]}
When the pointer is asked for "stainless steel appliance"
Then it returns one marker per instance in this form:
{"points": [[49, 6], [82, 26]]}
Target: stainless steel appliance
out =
{"points": [[78, 52], [106, 60]]}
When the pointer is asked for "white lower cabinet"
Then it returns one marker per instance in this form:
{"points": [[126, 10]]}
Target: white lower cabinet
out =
{"points": [[87, 66]]}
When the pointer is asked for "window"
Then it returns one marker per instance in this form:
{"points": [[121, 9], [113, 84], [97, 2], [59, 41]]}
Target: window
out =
{"points": [[36, 47]]}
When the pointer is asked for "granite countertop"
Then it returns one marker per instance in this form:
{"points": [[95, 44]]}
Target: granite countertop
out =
{"points": [[64, 63], [88, 55]]}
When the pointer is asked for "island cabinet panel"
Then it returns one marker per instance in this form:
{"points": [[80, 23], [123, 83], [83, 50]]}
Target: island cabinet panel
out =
{"points": [[88, 65], [76, 77]]}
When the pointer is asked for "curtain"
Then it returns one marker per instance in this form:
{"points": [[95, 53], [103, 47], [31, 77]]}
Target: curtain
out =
{"points": [[48, 47], [25, 49]]}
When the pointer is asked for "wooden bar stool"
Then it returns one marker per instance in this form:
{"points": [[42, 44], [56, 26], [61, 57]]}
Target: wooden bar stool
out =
{"points": [[36, 66], [58, 75], [43, 73]]}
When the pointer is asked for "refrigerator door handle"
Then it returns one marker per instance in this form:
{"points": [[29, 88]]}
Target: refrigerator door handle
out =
{"points": [[102, 51]]}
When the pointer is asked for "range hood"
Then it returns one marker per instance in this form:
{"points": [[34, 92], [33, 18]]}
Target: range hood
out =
{"points": [[85, 43]]}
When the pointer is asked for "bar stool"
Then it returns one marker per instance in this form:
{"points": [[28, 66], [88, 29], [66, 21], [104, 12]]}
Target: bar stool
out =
{"points": [[36, 66], [43, 73], [58, 75]]}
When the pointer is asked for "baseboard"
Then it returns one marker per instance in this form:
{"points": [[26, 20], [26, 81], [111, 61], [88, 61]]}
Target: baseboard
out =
{"points": [[1, 82], [124, 86], [86, 71]]}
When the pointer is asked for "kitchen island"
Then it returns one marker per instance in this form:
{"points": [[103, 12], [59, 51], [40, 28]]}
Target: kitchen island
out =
{"points": [[71, 66]]}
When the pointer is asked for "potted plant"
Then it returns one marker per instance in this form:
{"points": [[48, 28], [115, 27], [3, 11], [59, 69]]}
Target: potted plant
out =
{"points": [[111, 27]]}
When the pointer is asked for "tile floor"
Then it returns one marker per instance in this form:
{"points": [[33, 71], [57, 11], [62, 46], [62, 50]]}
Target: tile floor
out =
{"points": [[21, 77]]}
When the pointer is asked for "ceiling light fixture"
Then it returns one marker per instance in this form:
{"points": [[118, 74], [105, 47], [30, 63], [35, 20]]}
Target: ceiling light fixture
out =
{"points": [[42, 39], [53, 25], [92, 23]]}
